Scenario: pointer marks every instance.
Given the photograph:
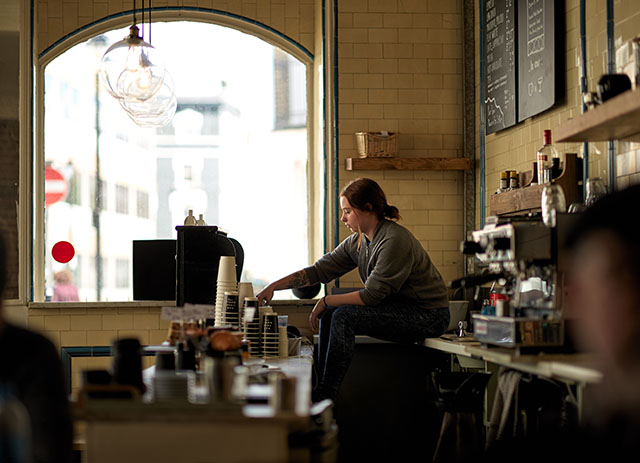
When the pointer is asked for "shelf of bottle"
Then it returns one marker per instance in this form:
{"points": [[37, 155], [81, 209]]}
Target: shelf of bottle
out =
{"points": [[528, 199], [615, 119], [408, 164]]}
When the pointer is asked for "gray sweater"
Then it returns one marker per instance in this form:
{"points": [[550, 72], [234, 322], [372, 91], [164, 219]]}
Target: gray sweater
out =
{"points": [[394, 267]]}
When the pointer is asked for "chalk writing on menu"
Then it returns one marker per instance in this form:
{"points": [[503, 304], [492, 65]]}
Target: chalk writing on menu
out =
{"points": [[536, 57], [500, 65]]}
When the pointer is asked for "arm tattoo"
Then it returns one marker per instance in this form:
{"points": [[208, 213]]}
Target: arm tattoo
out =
{"points": [[298, 280]]}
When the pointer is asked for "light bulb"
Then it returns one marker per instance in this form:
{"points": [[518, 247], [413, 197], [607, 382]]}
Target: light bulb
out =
{"points": [[144, 78], [132, 68], [133, 58]]}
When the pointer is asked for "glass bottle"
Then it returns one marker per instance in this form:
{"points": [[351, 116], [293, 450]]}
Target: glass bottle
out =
{"points": [[544, 158]]}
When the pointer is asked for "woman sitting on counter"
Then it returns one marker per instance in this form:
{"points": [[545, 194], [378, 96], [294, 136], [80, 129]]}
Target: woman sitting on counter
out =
{"points": [[404, 298]]}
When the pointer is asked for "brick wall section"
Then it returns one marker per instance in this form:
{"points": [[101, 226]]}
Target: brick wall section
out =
{"points": [[9, 165], [400, 69], [55, 18], [516, 148]]}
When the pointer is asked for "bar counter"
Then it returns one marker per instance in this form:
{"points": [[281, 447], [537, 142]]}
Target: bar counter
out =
{"points": [[579, 368], [170, 432]]}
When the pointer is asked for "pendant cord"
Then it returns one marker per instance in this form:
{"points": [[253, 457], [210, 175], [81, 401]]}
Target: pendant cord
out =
{"points": [[142, 35], [149, 22], [134, 12]]}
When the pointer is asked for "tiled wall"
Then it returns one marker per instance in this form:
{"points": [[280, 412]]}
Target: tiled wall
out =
{"points": [[9, 155], [515, 148], [55, 18], [400, 69]]}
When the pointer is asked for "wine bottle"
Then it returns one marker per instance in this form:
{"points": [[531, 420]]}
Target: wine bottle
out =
{"points": [[544, 158]]}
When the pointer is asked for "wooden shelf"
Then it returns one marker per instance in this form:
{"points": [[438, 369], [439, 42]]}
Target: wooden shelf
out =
{"points": [[408, 163], [528, 199], [616, 119]]}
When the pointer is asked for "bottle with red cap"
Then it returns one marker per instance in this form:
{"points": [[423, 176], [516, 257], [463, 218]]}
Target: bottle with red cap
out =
{"points": [[548, 161]]}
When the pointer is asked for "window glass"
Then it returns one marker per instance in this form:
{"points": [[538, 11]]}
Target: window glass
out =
{"points": [[221, 157]]}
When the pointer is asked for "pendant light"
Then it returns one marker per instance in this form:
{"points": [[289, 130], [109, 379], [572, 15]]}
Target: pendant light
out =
{"points": [[156, 111], [132, 71], [132, 68]]}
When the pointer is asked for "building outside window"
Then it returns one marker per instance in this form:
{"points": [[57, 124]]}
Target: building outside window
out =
{"points": [[220, 157], [122, 199]]}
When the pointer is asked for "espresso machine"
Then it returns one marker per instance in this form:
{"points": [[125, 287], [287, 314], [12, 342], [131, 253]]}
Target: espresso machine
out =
{"points": [[521, 254]]}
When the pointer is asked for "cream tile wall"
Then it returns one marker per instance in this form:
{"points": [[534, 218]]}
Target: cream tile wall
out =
{"points": [[515, 148], [400, 69], [55, 18]]}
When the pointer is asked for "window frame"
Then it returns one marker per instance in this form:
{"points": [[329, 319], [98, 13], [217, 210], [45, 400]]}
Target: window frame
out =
{"points": [[316, 160]]}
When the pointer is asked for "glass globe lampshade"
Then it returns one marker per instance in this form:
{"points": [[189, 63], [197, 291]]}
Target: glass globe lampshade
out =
{"points": [[157, 105], [156, 121], [132, 68]]}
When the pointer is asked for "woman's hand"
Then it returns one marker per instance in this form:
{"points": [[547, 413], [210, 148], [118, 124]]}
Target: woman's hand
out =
{"points": [[265, 296], [316, 313]]}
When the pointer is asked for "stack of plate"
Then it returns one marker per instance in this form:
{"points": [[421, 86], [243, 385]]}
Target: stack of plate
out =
{"points": [[230, 313], [270, 335], [174, 386], [226, 282]]}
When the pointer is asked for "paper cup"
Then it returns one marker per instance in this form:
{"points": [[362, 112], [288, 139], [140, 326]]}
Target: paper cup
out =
{"points": [[245, 289], [227, 270]]}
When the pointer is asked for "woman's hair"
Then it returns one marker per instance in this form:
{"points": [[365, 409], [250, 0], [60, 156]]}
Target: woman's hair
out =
{"points": [[365, 194]]}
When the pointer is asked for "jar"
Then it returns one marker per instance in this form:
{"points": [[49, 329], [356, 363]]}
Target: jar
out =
{"points": [[513, 180], [504, 181]]}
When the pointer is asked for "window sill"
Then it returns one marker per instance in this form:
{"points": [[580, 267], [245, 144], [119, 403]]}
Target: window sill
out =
{"points": [[137, 304]]}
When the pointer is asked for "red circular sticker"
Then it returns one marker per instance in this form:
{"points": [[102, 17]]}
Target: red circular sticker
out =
{"points": [[63, 251]]}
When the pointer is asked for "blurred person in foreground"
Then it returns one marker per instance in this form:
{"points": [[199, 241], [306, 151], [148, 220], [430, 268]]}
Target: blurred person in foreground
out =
{"points": [[31, 374], [605, 303]]}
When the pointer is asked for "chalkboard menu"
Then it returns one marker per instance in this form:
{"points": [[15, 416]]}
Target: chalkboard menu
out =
{"points": [[500, 64], [536, 57]]}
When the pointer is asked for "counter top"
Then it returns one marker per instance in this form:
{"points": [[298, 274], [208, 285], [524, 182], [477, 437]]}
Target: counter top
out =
{"points": [[567, 367]]}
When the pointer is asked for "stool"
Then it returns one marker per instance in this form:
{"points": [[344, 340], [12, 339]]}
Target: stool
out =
{"points": [[460, 396]]}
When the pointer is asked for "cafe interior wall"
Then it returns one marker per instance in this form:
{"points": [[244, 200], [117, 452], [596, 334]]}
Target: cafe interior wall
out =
{"points": [[516, 147], [399, 69]]}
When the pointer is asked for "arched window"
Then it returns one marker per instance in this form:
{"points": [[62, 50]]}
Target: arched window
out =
{"points": [[237, 152]]}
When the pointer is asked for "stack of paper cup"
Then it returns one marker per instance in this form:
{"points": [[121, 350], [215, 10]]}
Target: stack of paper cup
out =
{"points": [[230, 314], [245, 289], [226, 282], [251, 325], [270, 337]]}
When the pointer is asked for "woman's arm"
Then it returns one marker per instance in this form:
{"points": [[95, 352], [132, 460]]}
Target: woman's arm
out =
{"points": [[333, 300], [297, 279]]}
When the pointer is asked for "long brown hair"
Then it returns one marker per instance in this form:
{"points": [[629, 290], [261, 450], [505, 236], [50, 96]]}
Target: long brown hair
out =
{"points": [[365, 194]]}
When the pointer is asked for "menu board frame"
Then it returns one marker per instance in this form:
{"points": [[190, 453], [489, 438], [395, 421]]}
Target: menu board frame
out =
{"points": [[538, 36], [500, 64], [522, 65]]}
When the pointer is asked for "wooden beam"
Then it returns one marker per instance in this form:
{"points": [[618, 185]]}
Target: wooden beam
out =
{"points": [[408, 163]]}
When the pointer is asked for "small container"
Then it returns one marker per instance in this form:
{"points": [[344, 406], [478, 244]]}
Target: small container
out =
{"points": [[513, 180], [200, 220], [504, 181]]}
